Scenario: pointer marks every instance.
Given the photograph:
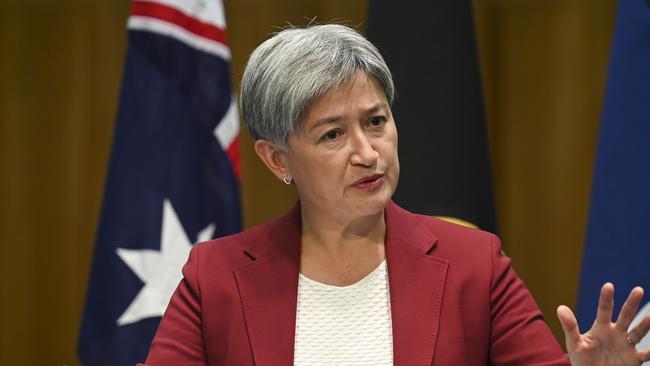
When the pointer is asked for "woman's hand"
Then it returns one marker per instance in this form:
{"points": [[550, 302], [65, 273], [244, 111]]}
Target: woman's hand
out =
{"points": [[607, 343]]}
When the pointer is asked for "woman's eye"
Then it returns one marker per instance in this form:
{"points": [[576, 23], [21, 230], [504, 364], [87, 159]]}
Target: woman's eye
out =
{"points": [[331, 135], [377, 121]]}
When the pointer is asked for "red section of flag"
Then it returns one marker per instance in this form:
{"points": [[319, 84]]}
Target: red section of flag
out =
{"points": [[177, 17], [233, 156]]}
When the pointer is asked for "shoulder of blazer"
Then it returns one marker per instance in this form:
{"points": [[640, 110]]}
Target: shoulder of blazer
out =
{"points": [[456, 240], [232, 251], [446, 230]]}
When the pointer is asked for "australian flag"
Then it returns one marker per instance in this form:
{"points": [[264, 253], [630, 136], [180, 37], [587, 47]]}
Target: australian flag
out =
{"points": [[173, 177], [618, 242]]}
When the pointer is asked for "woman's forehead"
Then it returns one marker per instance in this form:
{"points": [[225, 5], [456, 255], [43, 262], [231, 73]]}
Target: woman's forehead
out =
{"points": [[358, 95]]}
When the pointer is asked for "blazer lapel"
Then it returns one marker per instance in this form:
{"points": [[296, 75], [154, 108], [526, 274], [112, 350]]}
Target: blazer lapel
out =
{"points": [[417, 282], [268, 289]]}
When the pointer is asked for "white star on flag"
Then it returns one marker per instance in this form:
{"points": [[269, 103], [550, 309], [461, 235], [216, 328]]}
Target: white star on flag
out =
{"points": [[159, 270]]}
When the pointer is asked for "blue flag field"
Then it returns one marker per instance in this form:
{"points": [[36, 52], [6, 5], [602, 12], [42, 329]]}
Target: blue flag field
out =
{"points": [[617, 248], [173, 177]]}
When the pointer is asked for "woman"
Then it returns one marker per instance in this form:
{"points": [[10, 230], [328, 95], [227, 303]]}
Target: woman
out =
{"points": [[348, 277]]}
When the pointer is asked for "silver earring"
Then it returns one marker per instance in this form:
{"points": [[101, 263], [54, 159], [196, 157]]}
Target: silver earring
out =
{"points": [[286, 179]]}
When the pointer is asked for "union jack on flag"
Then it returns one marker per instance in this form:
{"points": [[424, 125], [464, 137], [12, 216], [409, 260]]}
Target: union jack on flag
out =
{"points": [[173, 177]]}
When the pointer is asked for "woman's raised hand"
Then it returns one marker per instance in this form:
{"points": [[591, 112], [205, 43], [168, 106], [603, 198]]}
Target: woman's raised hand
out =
{"points": [[607, 343]]}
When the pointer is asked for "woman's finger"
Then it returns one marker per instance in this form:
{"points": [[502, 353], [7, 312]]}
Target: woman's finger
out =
{"points": [[569, 326], [644, 355], [640, 331], [629, 308], [605, 304]]}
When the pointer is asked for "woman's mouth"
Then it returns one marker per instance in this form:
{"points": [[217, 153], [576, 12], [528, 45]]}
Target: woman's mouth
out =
{"points": [[370, 182]]}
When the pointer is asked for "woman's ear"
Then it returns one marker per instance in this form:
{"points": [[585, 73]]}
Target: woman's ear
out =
{"points": [[273, 157]]}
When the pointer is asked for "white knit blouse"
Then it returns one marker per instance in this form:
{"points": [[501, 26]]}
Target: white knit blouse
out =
{"points": [[349, 325]]}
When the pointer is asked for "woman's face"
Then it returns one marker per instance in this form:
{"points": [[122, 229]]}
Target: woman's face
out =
{"points": [[344, 159]]}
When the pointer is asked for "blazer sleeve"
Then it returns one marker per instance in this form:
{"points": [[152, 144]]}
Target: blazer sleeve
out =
{"points": [[519, 335], [179, 339]]}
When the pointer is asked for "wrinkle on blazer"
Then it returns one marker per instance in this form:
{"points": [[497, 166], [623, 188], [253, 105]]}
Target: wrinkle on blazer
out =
{"points": [[455, 300]]}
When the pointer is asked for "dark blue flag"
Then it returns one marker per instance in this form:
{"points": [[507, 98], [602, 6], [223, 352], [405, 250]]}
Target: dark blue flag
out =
{"points": [[173, 177], [618, 242]]}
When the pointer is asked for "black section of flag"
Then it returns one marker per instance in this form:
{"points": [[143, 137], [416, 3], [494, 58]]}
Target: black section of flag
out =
{"points": [[430, 47]]}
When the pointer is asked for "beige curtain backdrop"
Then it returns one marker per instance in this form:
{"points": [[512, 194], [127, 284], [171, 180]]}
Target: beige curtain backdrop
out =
{"points": [[544, 65]]}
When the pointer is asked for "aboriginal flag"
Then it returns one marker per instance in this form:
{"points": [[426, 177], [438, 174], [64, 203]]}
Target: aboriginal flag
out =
{"points": [[173, 177], [617, 247], [430, 47]]}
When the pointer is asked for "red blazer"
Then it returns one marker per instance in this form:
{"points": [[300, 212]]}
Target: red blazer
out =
{"points": [[455, 300]]}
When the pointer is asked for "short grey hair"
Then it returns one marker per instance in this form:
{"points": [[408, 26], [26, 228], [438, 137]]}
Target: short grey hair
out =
{"points": [[291, 70]]}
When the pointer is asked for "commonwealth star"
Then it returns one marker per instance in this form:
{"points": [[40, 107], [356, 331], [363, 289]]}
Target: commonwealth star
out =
{"points": [[159, 270]]}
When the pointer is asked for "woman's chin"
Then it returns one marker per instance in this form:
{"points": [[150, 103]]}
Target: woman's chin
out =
{"points": [[372, 205]]}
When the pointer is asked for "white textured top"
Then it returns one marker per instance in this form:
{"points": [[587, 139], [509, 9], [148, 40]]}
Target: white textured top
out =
{"points": [[349, 325]]}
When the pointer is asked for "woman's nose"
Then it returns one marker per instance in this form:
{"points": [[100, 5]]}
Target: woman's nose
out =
{"points": [[363, 151]]}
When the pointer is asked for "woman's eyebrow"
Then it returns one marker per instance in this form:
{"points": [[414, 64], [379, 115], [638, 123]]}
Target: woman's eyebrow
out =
{"points": [[380, 106], [324, 121], [377, 107]]}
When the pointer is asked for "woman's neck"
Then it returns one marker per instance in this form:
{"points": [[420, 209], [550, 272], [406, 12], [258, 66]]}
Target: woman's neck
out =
{"points": [[341, 252], [331, 231]]}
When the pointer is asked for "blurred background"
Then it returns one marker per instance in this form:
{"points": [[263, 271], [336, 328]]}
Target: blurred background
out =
{"points": [[543, 63]]}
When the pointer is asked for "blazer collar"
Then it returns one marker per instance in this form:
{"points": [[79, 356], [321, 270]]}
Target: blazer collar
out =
{"points": [[417, 283], [268, 288], [406, 227]]}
